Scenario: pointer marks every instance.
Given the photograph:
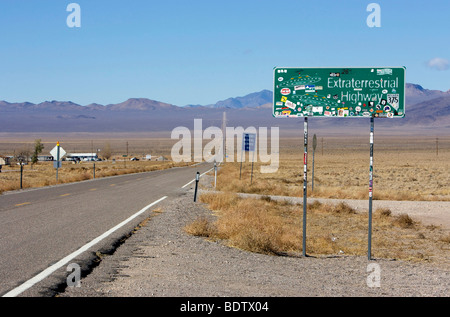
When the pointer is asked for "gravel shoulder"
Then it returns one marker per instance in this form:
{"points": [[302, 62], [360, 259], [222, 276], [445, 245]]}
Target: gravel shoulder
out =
{"points": [[161, 260]]}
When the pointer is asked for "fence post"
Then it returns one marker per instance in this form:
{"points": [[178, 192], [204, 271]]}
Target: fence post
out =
{"points": [[21, 174]]}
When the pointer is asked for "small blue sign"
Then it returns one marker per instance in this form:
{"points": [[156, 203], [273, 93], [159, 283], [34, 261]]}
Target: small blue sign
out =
{"points": [[248, 142]]}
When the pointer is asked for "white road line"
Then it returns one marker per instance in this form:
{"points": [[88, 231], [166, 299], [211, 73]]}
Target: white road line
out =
{"points": [[207, 171], [20, 289], [188, 183], [194, 178]]}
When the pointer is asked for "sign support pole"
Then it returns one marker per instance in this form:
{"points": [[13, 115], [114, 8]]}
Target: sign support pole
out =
{"points": [[314, 151], [248, 145], [251, 175], [21, 173], [215, 175], [197, 178], [369, 248], [240, 169], [312, 177], [57, 161], [305, 162]]}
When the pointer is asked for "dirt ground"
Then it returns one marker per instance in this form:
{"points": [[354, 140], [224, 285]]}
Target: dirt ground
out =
{"points": [[162, 260]]}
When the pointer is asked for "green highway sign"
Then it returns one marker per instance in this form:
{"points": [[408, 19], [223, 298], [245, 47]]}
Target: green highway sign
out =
{"points": [[339, 92]]}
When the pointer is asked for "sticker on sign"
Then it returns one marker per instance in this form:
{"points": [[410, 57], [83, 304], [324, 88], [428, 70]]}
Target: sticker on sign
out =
{"points": [[285, 91]]}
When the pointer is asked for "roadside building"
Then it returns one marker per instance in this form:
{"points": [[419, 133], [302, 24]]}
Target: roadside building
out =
{"points": [[2, 162], [82, 157], [45, 158], [5, 160]]}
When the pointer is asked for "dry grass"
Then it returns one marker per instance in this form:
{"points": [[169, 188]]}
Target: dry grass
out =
{"points": [[201, 227], [406, 170], [44, 174], [274, 227]]}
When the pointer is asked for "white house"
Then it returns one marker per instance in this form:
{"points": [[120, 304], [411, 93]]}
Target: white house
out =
{"points": [[82, 157]]}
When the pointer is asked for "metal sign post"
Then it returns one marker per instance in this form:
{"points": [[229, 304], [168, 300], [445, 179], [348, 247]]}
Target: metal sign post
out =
{"points": [[57, 152], [305, 183], [57, 160], [197, 178], [369, 247], [240, 169], [21, 174], [215, 174], [251, 175], [248, 145], [314, 151]]}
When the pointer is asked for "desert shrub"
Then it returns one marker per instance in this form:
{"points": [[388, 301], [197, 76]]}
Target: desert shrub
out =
{"points": [[404, 221], [343, 208], [201, 227], [383, 212]]}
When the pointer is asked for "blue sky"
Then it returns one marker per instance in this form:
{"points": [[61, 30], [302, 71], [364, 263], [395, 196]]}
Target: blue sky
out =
{"points": [[199, 52]]}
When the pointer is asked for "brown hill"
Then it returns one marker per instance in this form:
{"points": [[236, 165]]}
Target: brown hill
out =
{"points": [[430, 114], [142, 104]]}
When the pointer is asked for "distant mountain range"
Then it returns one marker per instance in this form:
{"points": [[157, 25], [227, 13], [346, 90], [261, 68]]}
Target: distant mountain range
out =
{"points": [[252, 100], [416, 94], [426, 110]]}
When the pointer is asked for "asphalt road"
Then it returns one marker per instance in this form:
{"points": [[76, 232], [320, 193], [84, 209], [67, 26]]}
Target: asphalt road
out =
{"points": [[43, 230]]}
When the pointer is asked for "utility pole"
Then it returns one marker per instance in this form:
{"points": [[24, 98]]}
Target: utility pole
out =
{"points": [[126, 158], [322, 146], [224, 128], [437, 146]]}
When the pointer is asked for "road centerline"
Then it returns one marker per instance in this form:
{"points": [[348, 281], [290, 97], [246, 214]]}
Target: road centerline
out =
{"points": [[23, 204]]}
